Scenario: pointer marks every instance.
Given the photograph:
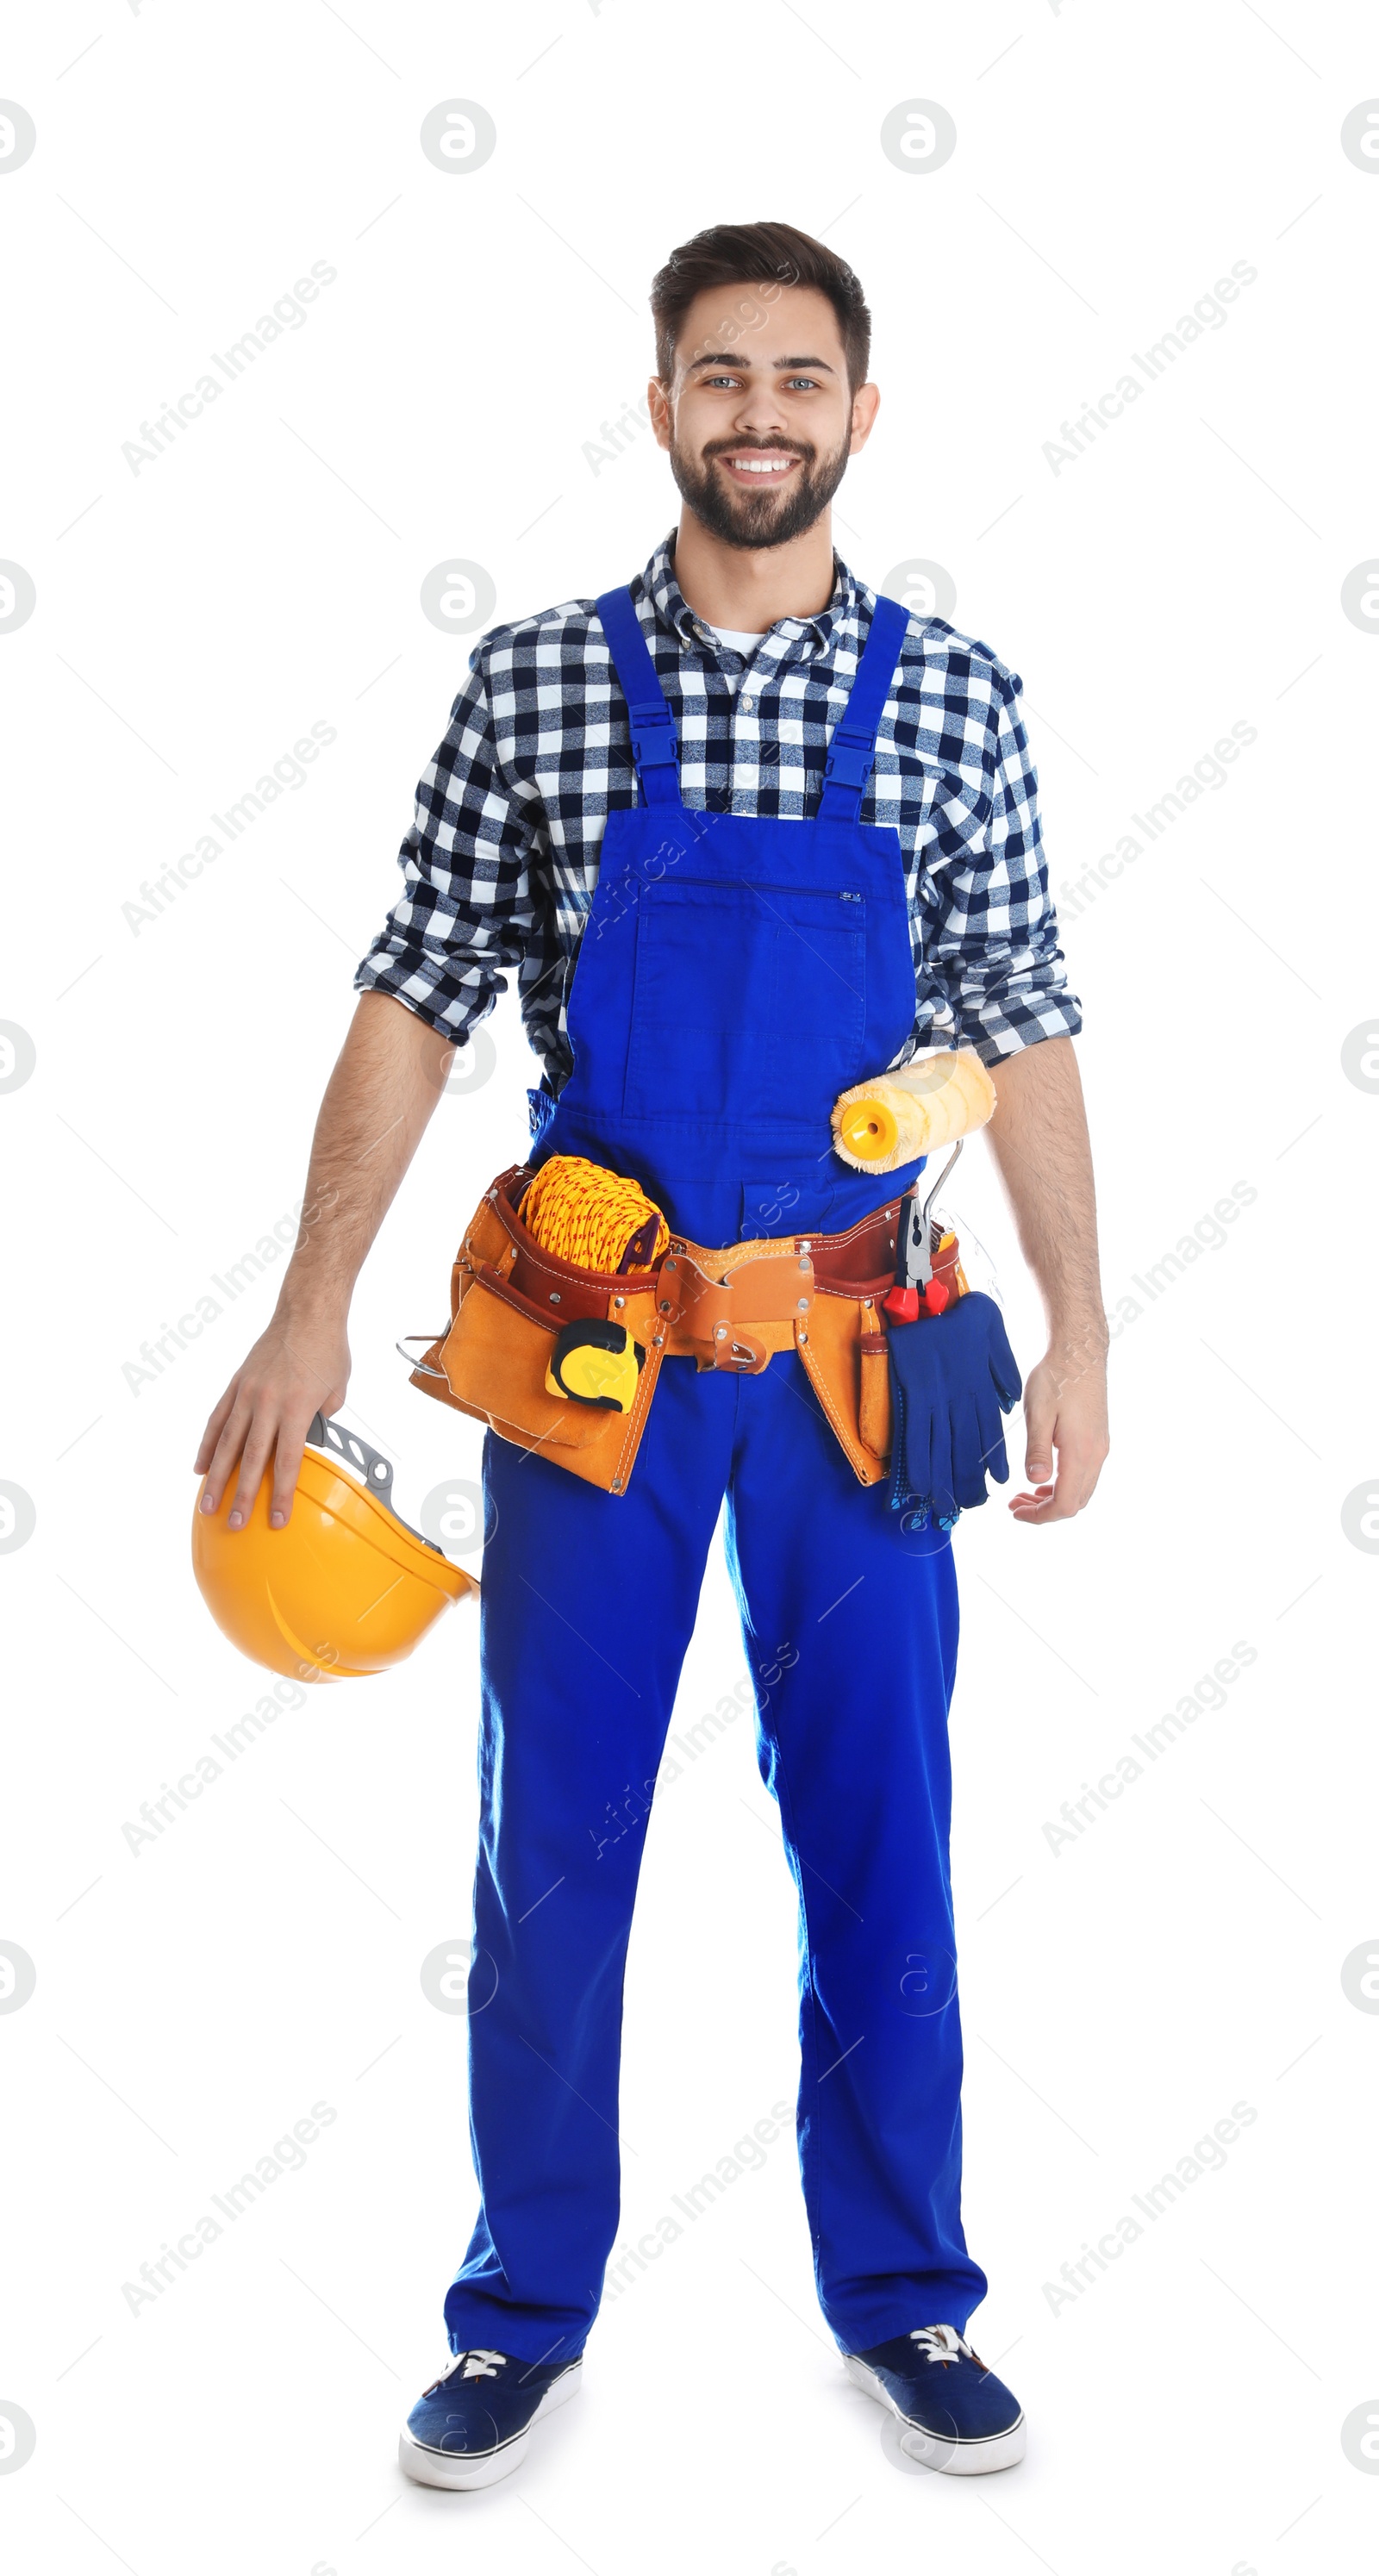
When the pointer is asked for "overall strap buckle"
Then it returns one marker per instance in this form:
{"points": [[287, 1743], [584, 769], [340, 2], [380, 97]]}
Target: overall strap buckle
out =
{"points": [[852, 746], [654, 740], [850, 758]]}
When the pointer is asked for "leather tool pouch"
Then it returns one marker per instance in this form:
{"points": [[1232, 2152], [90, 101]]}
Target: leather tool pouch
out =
{"points": [[846, 1348], [508, 1300]]}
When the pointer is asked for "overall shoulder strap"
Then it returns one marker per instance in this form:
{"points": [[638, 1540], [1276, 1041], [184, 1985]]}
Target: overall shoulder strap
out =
{"points": [[852, 748], [654, 745]]}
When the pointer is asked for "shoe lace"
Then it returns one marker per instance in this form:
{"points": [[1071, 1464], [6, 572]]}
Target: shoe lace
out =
{"points": [[945, 2344], [477, 2364]]}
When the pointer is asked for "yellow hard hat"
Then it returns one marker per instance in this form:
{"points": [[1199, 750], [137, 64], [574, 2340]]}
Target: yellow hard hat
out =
{"points": [[345, 1589]]}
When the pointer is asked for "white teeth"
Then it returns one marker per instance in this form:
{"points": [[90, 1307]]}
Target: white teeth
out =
{"points": [[764, 465]]}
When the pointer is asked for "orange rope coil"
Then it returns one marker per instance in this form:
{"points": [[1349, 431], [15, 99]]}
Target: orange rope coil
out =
{"points": [[588, 1216]]}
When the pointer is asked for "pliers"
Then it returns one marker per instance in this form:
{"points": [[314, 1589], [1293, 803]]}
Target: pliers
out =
{"points": [[916, 1291]]}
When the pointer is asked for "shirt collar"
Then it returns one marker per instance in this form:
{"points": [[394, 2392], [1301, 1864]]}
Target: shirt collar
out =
{"points": [[812, 634]]}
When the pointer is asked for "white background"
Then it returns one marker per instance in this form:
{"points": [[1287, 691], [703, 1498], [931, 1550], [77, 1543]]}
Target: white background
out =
{"points": [[193, 619]]}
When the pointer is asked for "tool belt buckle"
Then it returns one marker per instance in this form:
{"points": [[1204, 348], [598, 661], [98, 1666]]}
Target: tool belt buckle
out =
{"points": [[739, 1350], [713, 1317]]}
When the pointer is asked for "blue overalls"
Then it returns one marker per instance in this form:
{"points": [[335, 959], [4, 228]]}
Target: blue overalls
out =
{"points": [[736, 973]]}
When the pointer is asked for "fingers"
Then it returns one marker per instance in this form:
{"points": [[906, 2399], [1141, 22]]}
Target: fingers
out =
{"points": [[1065, 1417], [257, 1451], [288, 1450], [1049, 1499], [225, 1455], [299, 1367], [1040, 1425], [214, 1427], [277, 1433], [1067, 1494], [250, 1438]]}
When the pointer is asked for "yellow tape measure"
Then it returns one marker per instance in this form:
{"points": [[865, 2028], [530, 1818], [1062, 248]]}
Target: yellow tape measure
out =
{"points": [[595, 1363]]}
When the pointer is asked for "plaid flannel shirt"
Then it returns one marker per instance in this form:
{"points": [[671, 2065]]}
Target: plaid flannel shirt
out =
{"points": [[500, 864]]}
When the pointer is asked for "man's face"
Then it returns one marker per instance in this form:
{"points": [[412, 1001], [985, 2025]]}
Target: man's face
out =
{"points": [[758, 420]]}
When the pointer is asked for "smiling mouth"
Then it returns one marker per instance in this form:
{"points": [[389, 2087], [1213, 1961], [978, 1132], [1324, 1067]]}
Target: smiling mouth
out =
{"points": [[758, 467]]}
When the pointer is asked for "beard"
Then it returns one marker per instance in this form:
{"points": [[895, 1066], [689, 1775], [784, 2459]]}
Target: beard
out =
{"points": [[756, 519]]}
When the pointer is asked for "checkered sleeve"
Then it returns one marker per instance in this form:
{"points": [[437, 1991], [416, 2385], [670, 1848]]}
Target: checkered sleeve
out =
{"points": [[990, 934], [467, 906]]}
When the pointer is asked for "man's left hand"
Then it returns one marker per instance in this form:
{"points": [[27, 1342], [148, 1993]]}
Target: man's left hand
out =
{"points": [[1065, 1415]]}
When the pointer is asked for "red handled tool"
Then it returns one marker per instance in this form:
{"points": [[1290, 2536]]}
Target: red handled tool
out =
{"points": [[916, 1291]]}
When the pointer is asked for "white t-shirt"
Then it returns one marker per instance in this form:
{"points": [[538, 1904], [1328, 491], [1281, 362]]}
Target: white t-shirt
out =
{"points": [[740, 643]]}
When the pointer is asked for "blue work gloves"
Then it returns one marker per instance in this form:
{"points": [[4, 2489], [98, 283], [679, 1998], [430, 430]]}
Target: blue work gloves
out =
{"points": [[952, 1377]]}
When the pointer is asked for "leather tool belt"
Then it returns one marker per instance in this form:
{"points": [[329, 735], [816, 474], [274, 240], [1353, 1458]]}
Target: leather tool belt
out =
{"points": [[727, 1307]]}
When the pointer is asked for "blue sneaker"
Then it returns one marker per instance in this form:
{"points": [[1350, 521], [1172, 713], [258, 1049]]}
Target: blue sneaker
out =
{"points": [[473, 2424], [954, 2413]]}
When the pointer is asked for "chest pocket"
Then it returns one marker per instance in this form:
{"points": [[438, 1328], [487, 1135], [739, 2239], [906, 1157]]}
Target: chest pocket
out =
{"points": [[748, 1001]]}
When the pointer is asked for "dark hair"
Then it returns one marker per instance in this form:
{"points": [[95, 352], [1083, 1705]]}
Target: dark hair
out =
{"points": [[738, 255]]}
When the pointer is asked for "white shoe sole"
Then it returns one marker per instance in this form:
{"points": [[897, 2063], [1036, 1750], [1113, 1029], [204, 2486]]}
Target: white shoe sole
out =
{"points": [[481, 2468], [953, 2458]]}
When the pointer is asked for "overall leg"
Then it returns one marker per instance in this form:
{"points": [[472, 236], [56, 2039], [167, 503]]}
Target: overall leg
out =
{"points": [[859, 1618], [588, 1603]]}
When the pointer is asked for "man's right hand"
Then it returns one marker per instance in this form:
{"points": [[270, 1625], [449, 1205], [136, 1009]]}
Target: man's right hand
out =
{"points": [[298, 1368]]}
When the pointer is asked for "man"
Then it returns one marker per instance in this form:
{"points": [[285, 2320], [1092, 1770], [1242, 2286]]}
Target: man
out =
{"points": [[829, 858]]}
